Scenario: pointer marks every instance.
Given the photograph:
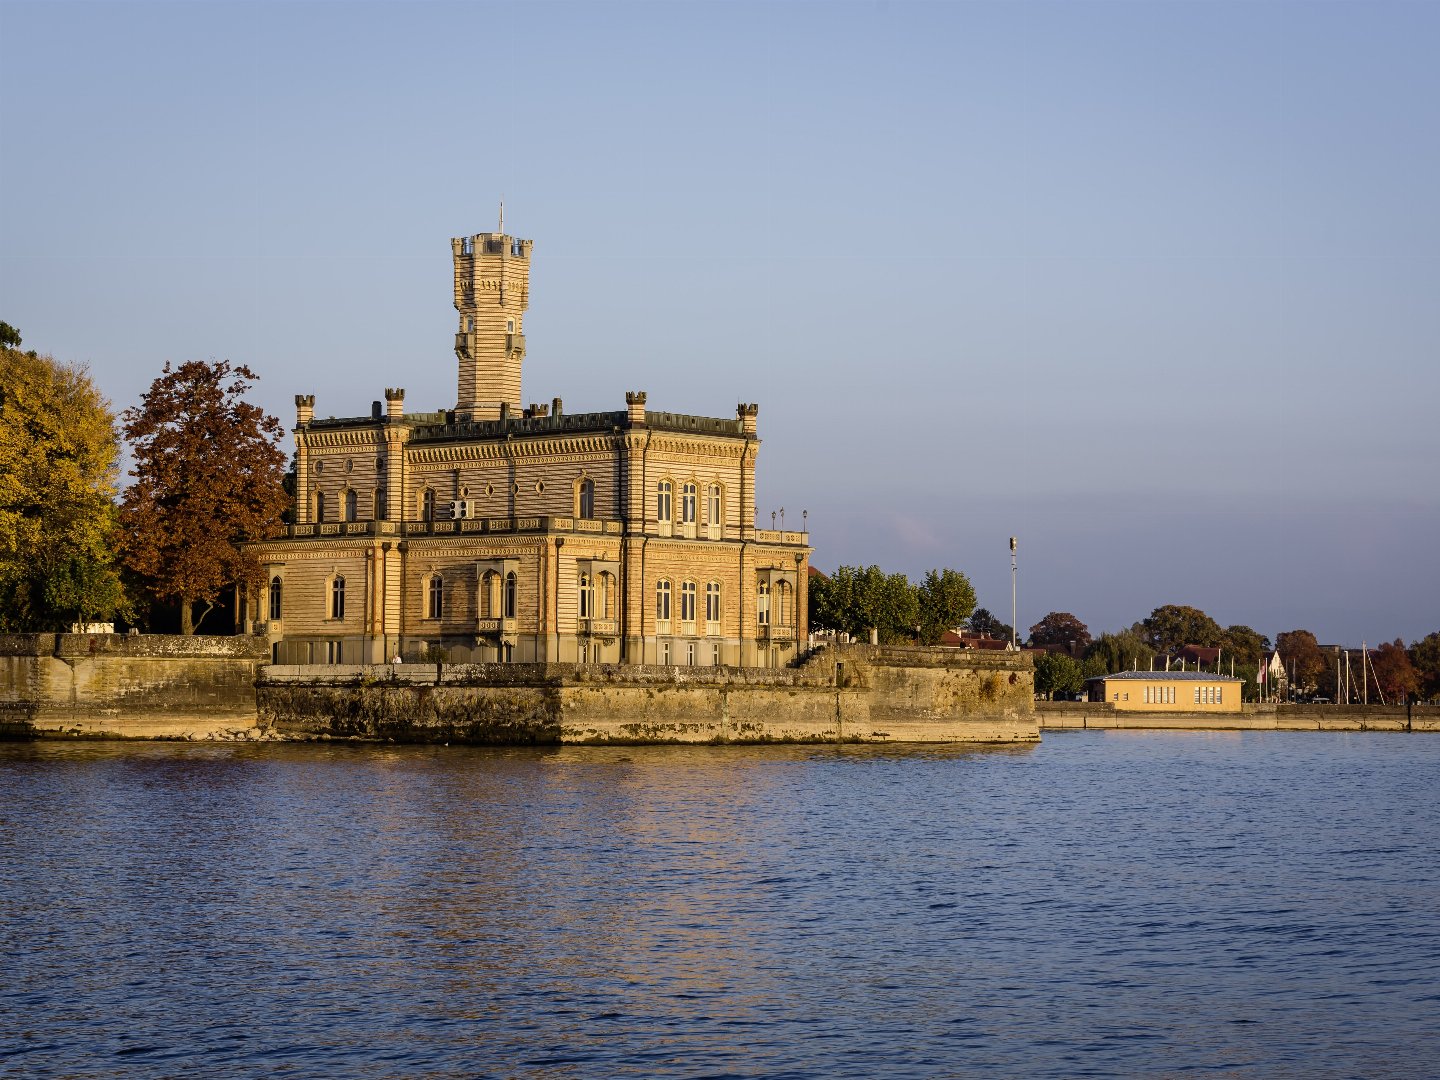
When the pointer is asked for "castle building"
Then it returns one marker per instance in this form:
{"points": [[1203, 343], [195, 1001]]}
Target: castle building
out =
{"points": [[496, 532]]}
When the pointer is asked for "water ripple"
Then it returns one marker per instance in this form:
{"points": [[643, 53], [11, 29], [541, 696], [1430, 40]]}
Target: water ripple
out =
{"points": [[1105, 904]]}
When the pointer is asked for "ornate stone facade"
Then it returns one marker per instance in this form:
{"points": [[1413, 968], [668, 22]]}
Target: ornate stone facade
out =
{"points": [[493, 532]]}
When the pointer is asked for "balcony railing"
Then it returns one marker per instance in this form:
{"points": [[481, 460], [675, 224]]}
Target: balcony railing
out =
{"points": [[781, 536], [597, 627], [449, 527]]}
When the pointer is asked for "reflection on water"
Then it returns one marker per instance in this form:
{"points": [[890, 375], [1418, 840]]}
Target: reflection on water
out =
{"points": [[1104, 903]]}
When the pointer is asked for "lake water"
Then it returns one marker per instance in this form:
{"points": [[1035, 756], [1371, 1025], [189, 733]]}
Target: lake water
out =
{"points": [[1103, 904]]}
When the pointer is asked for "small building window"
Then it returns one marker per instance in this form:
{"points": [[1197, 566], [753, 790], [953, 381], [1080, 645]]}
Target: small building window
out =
{"points": [[715, 508], [586, 503], [687, 504], [762, 604], [663, 508], [337, 598], [320, 507], [604, 591], [434, 597], [381, 498], [352, 503], [712, 602], [687, 602], [662, 601], [510, 588], [276, 595], [1197, 695], [587, 597], [427, 505]]}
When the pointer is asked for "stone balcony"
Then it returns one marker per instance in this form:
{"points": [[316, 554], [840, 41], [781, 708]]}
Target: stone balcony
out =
{"points": [[598, 627]]}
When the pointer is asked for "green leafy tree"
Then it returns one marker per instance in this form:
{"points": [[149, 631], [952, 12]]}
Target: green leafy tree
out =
{"points": [[984, 623], [1301, 655], [58, 454], [1092, 667], [1425, 655], [853, 600], [1244, 645], [9, 336], [1126, 650], [946, 599], [1393, 672], [209, 477], [1060, 628], [1056, 673], [1174, 625]]}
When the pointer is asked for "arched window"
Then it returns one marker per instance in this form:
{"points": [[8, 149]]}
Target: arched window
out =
{"points": [[715, 509], [587, 597], [382, 497], [352, 503], [319, 507], [510, 587], [337, 598], [687, 504], [427, 505], [586, 506], [490, 596], [712, 602], [762, 603], [687, 602], [276, 594], [662, 601], [663, 508], [434, 597]]}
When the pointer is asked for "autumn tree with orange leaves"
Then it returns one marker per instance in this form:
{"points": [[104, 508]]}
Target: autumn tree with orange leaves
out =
{"points": [[208, 478]]}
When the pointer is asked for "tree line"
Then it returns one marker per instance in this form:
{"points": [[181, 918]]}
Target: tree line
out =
{"points": [[1395, 673], [208, 476], [855, 600]]}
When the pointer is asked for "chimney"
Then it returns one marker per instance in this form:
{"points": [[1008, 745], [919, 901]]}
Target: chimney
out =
{"points": [[394, 403], [304, 409]]}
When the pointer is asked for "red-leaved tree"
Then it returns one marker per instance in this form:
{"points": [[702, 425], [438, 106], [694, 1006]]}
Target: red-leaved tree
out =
{"points": [[208, 478]]}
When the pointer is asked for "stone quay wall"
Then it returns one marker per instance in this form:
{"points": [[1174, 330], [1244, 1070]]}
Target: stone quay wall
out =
{"points": [[147, 686], [840, 694], [1059, 715]]}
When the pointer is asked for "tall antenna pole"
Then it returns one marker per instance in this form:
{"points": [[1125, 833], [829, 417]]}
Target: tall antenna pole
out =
{"points": [[1014, 617], [502, 215]]}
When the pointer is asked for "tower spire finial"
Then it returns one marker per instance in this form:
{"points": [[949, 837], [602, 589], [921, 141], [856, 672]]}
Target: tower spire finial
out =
{"points": [[502, 215]]}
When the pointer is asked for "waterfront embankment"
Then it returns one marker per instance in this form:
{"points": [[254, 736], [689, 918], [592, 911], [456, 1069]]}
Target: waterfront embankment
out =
{"points": [[144, 686], [1060, 715], [852, 694]]}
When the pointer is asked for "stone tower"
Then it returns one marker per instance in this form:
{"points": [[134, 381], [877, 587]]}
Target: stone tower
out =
{"points": [[492, 291]]}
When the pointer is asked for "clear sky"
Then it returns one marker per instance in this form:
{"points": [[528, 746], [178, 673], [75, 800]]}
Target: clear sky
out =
{"points": [[1153, 286]]}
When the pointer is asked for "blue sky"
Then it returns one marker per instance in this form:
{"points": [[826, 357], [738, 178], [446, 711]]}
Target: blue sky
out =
{"points": [[1150, 285]]}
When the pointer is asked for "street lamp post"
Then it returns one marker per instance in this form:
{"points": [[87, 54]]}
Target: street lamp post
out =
{"points": [[1014, 618]]}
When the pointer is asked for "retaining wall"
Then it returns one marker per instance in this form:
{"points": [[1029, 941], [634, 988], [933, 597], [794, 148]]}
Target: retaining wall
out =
{"points": [[1058, 715], [847, 694], [158, 686]]}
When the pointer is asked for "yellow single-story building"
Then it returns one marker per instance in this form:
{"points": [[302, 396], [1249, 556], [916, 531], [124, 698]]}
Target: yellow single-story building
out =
{"points": [[1168, 691]]}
